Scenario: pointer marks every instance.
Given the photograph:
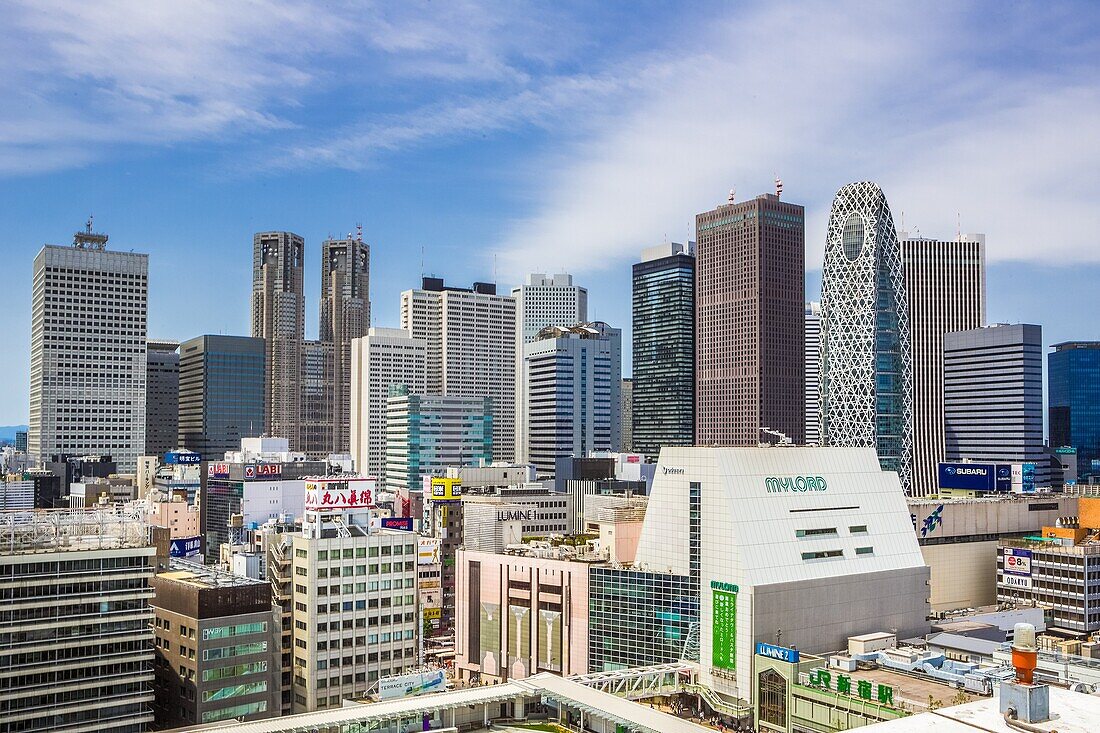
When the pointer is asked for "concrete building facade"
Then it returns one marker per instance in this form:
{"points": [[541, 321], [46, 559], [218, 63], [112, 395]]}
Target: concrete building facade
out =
{"points": [[89, 328], [945, 291], [749, 299]]}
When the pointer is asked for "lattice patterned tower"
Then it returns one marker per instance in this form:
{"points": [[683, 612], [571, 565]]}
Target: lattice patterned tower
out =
{"points": [[866, 370]]}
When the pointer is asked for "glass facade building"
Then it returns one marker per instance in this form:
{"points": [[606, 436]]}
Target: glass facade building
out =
{"points": [[1073, 391], [664, 349], [866, 369], [221, 393]]}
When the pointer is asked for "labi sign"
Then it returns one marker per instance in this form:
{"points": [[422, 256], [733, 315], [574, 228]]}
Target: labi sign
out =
{"points": [[785, 484]]}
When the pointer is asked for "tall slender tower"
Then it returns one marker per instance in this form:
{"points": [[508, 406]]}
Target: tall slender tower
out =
{"points": [[866, 369], [88, 345], [945, 290], [749, 300], [813, 376], [345, 315], [278, 317]]}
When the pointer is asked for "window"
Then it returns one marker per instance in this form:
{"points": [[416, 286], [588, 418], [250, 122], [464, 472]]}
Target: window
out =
{"points": [[858, 528], [815, 532], [821, 554], [865, 550]]}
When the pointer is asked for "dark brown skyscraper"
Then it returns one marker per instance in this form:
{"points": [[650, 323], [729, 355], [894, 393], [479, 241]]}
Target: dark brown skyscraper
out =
{"points": [[749, 300]]}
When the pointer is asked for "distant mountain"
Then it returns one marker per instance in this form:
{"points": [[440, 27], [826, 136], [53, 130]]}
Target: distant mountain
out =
{"points": [[7, 432]]}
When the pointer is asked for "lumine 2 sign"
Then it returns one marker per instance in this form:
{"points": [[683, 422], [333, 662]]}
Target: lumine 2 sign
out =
{"points": [[781, 484]]}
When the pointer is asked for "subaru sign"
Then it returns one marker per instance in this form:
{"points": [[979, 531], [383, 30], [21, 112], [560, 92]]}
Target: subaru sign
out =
{"points": [[970, 476], [782, 653], [1004, 477]]}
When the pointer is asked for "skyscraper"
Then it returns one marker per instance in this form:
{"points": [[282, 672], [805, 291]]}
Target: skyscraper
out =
{"points": [[382, 359], [543, 301], [749, 298], [471, 339], [162, 396], [626, 413], [426, 433], [945, 291], [278, 317], [993, 396], [88, 339], [1073, 386], [345, 315], [574, 378], [222, 387], [813, 373], [316, 429], [866, 369], [664, 348]]}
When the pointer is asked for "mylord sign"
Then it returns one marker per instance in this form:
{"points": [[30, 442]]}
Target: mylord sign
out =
{"points": [[797, 484], [782, 653]]}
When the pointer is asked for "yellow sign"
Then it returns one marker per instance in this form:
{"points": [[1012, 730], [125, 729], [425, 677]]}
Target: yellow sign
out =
{"points": [[446, 489], [431, 613]]}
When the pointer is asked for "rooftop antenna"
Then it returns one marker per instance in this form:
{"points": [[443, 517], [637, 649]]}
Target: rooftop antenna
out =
{"points": [[778, 186], [421, 261], [88, 224], [958, 226], [494, 267], [359, 232]]}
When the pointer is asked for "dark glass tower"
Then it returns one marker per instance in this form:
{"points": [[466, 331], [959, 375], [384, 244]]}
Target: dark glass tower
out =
{"points": [[1073, 386], [664, 348], [221, 393]]}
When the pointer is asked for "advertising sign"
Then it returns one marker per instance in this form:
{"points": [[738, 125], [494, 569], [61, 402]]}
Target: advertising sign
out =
{"points": [[968, 476], [781, 653], [446, 489], [402, 523], [217, 470], [263, 470], [724, 625], [1017, 561], [427, 551], [185, 547], [339, 493], [1004, 477], [409, 685], [173, 458]]}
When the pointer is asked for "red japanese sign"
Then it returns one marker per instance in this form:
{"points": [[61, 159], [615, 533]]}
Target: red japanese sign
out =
{"points": [[339, 493]]}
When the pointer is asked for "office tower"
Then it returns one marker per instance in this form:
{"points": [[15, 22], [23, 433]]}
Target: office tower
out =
{"points": [[543, 301], [77, 645], [217, 656], [316, 429], [574, 378], [385, 357], [993, 397], [222, 393], [1073, 392], [626, 414], [278, 317], [945, 290], [88, 333], [749, 298], [866, 368], [162, 396], [349, 634], [471, 340], [664, 348], [16, 494], [345, 316], [813, 361], [21, 441], [425, 434]]}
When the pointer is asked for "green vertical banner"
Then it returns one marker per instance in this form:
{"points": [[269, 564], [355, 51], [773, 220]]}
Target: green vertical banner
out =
{"points": [[723, 630]]}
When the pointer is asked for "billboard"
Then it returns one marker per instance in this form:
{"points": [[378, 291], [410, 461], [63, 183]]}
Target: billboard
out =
{"points": [[723, 629], [173, 458], [1004, 477], [403, 523], [968, 476], [339, 493], [1023, 478], [1017, 568], [782, 653], [263, 470], [217, 470], [409, 685], [446, 489], [185, 547], [427, 551]]}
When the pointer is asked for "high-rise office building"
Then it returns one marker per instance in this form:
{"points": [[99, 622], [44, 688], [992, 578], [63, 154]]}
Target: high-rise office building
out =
{"points": [[21, 441], [574, 378], [162, 396], [1073, 387], [866, 360], [385, 357], [426, 433], [278, 317], [993, 397], [76, 648], [543, 301], [345, 316], [471, 339], [316, 429], [88, 337], [813, 373], [216, 646], [945, 289], [222, 388], [664, 348], [626, 414], [749, 298]]}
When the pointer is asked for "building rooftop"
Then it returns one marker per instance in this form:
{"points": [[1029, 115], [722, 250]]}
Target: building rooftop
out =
{"points": [[55, 530], [205, 576]]}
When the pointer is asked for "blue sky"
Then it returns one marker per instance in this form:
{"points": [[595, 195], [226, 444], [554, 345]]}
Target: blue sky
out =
{"points": [[495, 139]]}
